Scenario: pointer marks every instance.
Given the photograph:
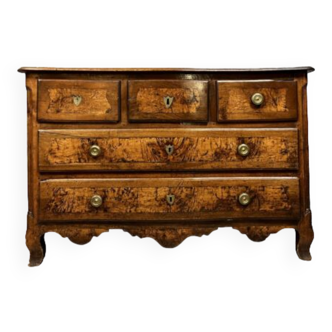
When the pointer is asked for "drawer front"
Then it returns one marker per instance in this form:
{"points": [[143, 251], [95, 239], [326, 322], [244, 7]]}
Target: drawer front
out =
{"points": [[168, 199], [257, 101], [168, 101], [78, 101], [168, 149]]}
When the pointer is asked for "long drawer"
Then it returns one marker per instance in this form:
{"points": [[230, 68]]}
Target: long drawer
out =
{"points": [[168, 149], [169, 199]]}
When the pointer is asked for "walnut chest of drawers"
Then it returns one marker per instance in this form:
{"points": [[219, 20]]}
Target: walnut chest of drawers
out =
{"points": [[167, 153]]}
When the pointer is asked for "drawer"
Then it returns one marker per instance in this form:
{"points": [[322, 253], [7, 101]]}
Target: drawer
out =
{"points": [[168, 101], [169, 199], [257, 101], [78, 101], [168, 149]]}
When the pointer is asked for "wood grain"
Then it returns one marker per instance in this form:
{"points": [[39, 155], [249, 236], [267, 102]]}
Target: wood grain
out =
{"points": [[199, 198], [99, 100], [146, 149], [146, 101], [234, 101]]}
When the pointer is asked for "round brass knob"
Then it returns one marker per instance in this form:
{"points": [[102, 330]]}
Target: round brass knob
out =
{"points": [[243, 150], [95, 150], [96, 201], [244, 199], [257, 99]]}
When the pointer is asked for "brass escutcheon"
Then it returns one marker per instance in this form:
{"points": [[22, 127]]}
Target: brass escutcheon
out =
{"points": [[77, 100], [168, 101], [169, 149], [170, 199]]}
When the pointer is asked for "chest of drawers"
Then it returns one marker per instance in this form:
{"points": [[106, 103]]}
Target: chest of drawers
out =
{"points": [[167, 153]]}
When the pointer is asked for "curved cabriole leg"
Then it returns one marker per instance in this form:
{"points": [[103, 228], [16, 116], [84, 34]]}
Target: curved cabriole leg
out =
{"points": [[36, 244], [304, 237]]}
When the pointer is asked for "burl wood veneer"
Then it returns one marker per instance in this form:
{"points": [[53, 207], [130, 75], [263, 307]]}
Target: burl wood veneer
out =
{"points": [[167, 153]]}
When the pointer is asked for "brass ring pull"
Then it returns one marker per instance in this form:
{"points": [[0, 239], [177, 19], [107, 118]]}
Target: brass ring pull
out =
{"points": [[243, 150], [95, 151], [244, 199], [257, 99], [96, 201]]}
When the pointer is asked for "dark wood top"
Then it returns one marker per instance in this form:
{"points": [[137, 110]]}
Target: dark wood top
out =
{"points": [[53, 69]]}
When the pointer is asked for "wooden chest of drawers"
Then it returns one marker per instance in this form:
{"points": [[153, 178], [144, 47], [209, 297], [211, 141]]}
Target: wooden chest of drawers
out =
{"points": [[167, 153]]}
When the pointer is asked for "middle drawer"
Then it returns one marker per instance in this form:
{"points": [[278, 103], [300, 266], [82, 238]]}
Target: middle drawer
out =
{"points": [[168, 149]]}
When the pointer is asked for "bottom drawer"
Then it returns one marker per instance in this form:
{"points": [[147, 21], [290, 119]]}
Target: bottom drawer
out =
{"points": [[163, 199]]}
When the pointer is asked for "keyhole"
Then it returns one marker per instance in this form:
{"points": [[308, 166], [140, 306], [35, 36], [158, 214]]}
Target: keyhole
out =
{"points": [[167, 102], [170, 199], [169, 149]]}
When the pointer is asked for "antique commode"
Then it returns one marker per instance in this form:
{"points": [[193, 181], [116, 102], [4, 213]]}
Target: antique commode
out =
{"points": [[167, 153]]}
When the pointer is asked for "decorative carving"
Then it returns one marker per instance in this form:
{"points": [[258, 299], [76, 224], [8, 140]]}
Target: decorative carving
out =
{"points": [[79, 235], [169, 237], [258, 233]]}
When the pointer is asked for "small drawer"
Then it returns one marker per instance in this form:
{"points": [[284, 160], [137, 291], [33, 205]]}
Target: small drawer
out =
{"points": [[257, 101], [168, 149], [165, 199], [168, 101], [78, 101]]}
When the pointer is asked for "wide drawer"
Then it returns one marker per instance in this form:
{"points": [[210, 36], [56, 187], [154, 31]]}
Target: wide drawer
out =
{"points": [[168, 149], [257, 101], [168, 101], [78, 101], [169, 199]]}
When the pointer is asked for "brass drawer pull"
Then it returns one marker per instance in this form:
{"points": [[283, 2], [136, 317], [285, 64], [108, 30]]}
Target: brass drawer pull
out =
{"points": [[95, 151], [243, 150], [96, 201], [257, 99], [77, 100], [244, 199], [170, 199], [168, 101]]}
